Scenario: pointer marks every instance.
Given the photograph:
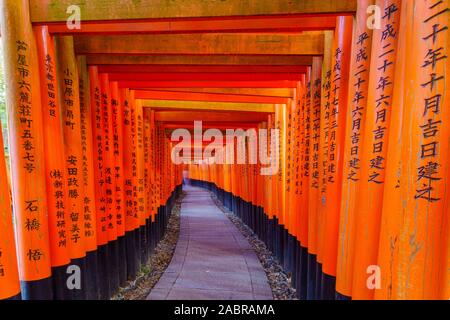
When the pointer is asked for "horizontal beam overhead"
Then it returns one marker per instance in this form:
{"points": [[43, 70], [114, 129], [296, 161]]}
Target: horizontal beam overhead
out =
{"points": [[206, 84], [209, 106], [307, 43], [279, 60], [212, 97], [205, 76], [267, 92], [56, 11], [183, 116], [207, 25], [149, 68]]}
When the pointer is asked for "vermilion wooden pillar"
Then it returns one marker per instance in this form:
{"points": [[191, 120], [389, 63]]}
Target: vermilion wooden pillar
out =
{"points": [[305, 175], [323, 156], [130, 181], [23, 102], [90, 209], [109, 185], [341, 54], [118, 173], [413, 254], [294, 176], [70, 105], [279, 180], [9, 275], [140, 166], [289, 164], [146, 151], [360, 69], [99, 178], [296, 186], [375, 147], [55, 170], [152, 171], [314, 183]]}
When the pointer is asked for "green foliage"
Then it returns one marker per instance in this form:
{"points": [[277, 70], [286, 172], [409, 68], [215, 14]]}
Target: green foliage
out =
{"points": [[3, 116]]}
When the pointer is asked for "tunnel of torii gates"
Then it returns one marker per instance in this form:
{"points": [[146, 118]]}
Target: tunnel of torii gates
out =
{"points": [[359, 207]]}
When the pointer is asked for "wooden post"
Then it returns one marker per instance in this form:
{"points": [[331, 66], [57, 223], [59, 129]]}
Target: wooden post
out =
{"points": [[314, 183], [148, 177], [70, 102], [153, 173], [158, 184], [338, 110], [130, 182], [305, 174], [351, 176], [90, 223], [289, 163], [140, 164], [279, 181], [99, 176], [375, 147], [23, 103], [414, 241], [118, 194], [295, 183], [109, 185], [55, 172], [9, 273], [323, 155], [293, 169], [270, 179]]}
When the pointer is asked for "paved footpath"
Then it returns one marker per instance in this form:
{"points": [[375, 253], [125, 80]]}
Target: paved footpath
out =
{"points": [[212, 260]]}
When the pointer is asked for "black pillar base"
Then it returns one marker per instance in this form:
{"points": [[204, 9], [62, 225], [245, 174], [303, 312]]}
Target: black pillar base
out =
{"points": [[17, 297], [312, 268], [113, 266], [303, 292], [153, 235], [80, 294], [122, 241], [137, 243], [144, 244], [342, 297], [131, 254], [59, 283], [148, 227], [37, 289], [318, 293], [103, 263], [328, 287], [92, 275], [287, 251]]}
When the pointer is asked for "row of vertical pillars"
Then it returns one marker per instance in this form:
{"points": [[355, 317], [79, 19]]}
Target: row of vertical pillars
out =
{"points": [[358, 206], [91, 182]]}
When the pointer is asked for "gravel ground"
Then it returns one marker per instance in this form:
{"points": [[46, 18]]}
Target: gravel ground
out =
{"points": [[149, 274], [279, 280]]}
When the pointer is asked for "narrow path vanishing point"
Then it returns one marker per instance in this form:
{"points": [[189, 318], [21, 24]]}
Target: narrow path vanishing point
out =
{"points": [[212, 260]]}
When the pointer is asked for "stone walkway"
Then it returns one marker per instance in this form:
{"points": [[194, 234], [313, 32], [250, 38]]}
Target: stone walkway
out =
{"points": [[212, 260]]}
